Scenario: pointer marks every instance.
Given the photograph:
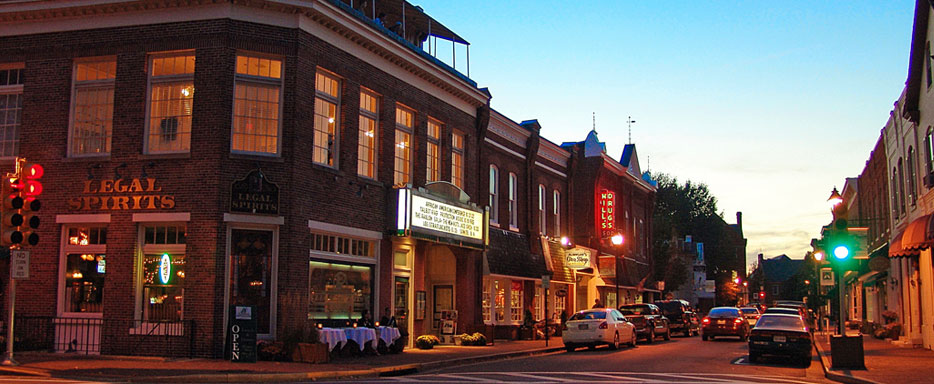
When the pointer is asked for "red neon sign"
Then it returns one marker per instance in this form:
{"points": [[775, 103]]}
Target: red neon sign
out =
{"points": [[606, 208]]}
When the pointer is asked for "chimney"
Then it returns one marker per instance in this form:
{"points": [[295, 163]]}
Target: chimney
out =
{"points": [[739, 223]]}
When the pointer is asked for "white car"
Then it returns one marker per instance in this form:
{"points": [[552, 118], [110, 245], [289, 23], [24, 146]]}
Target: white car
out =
{"points": [[593, 327]]}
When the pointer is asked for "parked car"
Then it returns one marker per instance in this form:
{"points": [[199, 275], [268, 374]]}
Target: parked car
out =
{"points": [[725, 321], [592, 327], [780, 334], [751, 314], [681, 317], [648, 320]]}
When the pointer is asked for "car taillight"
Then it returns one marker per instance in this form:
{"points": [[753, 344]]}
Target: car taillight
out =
{"points": [[603, 325], [738, 320], [706, 320]]}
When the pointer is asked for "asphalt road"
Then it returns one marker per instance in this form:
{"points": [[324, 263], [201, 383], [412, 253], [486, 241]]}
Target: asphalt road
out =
{"points": [[677, 361]]}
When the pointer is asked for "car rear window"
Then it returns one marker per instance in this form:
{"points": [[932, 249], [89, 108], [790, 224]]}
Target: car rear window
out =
{"points": [[588, 316], [787, 311], [749, 310], [635, 310], [780, 322], [724, 312], [669, 307]]}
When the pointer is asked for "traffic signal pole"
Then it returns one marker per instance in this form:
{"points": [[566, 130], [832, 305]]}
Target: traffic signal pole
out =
{"points": [[11, 292]]}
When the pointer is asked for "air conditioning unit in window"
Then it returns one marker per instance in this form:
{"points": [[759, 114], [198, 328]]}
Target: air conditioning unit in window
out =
{"points": [[929, 180]]}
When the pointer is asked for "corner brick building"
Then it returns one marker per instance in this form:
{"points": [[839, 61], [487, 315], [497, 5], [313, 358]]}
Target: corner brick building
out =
{"points": [[301, 158]]}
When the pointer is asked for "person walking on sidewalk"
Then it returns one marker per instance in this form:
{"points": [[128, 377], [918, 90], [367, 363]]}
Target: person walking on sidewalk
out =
{"points": [[598, 304]]}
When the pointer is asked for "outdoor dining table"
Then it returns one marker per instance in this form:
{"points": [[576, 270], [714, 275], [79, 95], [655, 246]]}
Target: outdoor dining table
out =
{"points": [[388, 334], [361, 335], [332, 337]]}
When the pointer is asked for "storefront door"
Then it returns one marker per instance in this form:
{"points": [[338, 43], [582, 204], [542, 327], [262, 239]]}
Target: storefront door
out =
{"points": [[443, 300], [401, 303], [251, 272]]}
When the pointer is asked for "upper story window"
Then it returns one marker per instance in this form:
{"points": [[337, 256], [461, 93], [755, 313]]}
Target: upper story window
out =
{"points": [[327, 99], [257, 100], [366, 145], [513, 201], [171, 95], [927, 62], [92, 106], [457, 159], [895, 193], [11, 108], [901, 186], [402, 165], [542, 223], [434, 151], [556, 210], [494, 194], [929, 152], [912, 191]]}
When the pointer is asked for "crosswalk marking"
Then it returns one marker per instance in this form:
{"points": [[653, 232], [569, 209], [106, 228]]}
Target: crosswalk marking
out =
{"points": [[599, 377]]}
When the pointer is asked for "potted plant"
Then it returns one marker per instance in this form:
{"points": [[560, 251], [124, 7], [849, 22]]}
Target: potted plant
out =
{"points": [[305, 346], [427, 341]]}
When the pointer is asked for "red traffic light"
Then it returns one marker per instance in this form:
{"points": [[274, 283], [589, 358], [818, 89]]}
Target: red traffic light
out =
{"points": [[32, 187], [761, 294]]}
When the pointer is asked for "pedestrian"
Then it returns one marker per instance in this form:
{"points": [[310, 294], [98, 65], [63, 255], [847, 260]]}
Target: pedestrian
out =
{"points": [[597, 303]]}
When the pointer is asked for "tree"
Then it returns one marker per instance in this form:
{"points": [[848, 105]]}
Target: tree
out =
{"points": [[688, 209]]}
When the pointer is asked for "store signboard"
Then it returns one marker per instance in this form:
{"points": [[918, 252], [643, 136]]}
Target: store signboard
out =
{"points": [[578, 258], [445, 218], [606, 211]]}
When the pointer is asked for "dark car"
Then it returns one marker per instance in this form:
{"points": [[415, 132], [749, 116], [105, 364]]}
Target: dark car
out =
{"points": [[648, 320], [780, 334], [725, 321], [680, 316]]}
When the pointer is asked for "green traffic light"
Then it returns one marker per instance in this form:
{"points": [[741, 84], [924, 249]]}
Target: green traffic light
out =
{"points": [[841, 252]]}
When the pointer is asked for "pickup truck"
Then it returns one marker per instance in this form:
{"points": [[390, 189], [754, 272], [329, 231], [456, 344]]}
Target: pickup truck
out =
{"points": [[648, 320]]}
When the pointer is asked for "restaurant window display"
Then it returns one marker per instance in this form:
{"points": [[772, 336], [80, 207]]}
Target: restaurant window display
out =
{"points": [[339, 291], [503, 301], [84, 269], [251, 272], [163, 272]]}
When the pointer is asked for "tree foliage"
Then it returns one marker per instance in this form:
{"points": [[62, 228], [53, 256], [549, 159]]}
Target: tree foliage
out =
{"points": [[684, 209]]}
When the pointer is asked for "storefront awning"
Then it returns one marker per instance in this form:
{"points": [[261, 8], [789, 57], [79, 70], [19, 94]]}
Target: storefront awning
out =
{"points": [[509, 255], [917, 236], [560, 271]]}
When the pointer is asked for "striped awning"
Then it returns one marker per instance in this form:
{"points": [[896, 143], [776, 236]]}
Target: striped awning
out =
{"points": [[918, 235]]}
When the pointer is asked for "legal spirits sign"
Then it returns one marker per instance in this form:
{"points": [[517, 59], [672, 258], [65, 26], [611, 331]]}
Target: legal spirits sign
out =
{"points": [[122, 195]]}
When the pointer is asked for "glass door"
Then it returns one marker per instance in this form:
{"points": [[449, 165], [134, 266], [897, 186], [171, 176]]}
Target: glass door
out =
{"points": [[251, 273], [401, 304]]}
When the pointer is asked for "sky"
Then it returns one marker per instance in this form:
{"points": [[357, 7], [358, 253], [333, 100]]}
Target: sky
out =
{"points": [[770, 104]]}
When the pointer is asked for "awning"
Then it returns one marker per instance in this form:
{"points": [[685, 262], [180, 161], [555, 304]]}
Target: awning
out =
{"points": [[509, 255], [918, 235], [560, 271]]}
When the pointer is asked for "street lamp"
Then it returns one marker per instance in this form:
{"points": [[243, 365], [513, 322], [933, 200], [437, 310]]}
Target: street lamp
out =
{"points": [[835, 199]]}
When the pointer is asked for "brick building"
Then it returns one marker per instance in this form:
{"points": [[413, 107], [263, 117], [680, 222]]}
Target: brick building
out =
{"points": [[204, 154]]}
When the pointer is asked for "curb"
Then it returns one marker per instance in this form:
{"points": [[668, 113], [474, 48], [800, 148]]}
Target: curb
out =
{"points": [[839, 377], [394, 370]]}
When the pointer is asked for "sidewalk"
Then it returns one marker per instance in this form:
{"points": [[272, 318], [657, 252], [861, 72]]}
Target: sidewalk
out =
{"points": [[885, 362], [165, 370]]}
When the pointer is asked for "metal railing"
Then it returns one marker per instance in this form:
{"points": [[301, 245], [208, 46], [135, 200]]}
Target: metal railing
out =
{"points": [[107, 335]]}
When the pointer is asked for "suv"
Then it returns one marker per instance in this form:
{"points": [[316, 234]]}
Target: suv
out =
{"points": [[680, 316], [648, 320]]}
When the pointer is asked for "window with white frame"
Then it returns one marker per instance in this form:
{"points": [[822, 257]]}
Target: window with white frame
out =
{"points": [[499, 301], [84, 268], [171, 97], [929, 152], [11, 108], [556, 211], [342, 245], [560, 305], [513, 201], [494, 194], [515, 302], [92, 106], [366, 145], [457, 159], [539, 310], [901, 186], [163, 262], [895, 193], [542, 222], [434, 151], [402, 165], [486, 302], [257, 100], [327, 99]]}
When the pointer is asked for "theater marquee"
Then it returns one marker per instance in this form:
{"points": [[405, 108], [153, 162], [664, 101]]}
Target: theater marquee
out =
{"points": [[421, 215]]}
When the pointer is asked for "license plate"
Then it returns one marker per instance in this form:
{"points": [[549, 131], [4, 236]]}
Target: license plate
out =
{"points": [[582, 327], [778, 339], [721, 321]]}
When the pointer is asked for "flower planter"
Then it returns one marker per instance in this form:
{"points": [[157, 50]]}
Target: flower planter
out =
{"points": [[315, 353]]}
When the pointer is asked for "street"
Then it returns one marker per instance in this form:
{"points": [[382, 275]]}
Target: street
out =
{"points": [[679, 360]]}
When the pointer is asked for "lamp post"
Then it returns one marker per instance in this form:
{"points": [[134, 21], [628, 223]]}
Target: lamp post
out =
{"points": [[617, 240], [838, 210]]}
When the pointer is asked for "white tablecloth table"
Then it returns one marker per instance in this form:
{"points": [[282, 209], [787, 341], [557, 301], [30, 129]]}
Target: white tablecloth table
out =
{"points": [[332, 337], [361, 335], [388, 334]]}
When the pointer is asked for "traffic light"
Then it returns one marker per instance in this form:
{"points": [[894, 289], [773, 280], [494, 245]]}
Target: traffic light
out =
{"points": [[32, 187], [840, 245], [12, 219], [762, 295]]}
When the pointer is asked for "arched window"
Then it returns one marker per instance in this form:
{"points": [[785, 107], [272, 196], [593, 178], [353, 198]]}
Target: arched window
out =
{"points": [[895, 193], [542, 224], [901, 185], [912, 191], [556, 210], [494, 194]]}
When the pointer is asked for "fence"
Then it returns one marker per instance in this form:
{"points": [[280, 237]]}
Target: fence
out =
{"points": [[109, 336]]}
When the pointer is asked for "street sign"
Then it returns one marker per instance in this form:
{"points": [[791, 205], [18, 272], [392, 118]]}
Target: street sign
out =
{"points": [[826, 277], [19, 264], [546, 281]]}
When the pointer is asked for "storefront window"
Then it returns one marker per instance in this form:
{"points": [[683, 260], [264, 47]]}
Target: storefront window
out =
{"points": [[560, 302], [539, 311], [486, 300], [251, 272], [515, 302], [500, 300], [84, 269], [339, 291], [163, 262], [84, 282]]}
